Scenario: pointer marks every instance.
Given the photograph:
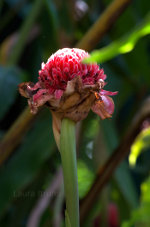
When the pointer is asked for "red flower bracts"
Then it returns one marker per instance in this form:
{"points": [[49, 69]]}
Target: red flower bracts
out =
{"points": [[69, 87]]}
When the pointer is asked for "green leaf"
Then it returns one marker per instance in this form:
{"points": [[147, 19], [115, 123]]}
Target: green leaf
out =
{"points": [[122, 46], [85, 178], [140, 144], [10, 77], [140, 216]]}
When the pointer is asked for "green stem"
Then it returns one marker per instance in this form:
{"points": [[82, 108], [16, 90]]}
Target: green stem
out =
{"points": [[68, 157]]}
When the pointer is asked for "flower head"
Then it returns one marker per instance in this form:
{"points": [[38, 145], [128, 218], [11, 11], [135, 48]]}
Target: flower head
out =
{"points": [[69, 87]]}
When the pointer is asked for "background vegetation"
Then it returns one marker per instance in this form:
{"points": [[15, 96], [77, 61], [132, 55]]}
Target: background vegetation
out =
{"points": [[112, 167]]}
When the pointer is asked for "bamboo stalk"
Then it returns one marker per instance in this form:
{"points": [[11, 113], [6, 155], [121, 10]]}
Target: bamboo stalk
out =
{"points": [[103, 24], [15, 134]]}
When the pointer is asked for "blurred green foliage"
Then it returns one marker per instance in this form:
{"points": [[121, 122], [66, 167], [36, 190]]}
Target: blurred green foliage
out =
{"points": [[141, 143], [10, 77], [140, 216], [30, 31], [85, 178]]}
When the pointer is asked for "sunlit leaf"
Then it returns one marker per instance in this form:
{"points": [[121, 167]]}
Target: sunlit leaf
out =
{"points": [[140, 144], [122, 46]]}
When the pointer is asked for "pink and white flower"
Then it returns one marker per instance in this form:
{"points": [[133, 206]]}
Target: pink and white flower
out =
{"points": [[69, 87]]}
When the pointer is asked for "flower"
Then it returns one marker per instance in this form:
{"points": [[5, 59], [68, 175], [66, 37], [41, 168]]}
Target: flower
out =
{"points": [[69, 87]]}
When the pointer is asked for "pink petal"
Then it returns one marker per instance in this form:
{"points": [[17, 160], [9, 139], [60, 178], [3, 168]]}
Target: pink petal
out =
{"points": [[108, 103], [101, 74], [35, 87], [104, 108], [39, 94], [104, 92], [39, 99], [58, 94], [103, 77]]}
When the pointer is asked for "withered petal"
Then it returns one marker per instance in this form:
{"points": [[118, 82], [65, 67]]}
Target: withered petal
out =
{"points": [[104, 107], [108, 103], [99, 109]]}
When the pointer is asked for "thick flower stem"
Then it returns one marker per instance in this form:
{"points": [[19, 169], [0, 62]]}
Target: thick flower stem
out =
{"points": [[68, 157]]}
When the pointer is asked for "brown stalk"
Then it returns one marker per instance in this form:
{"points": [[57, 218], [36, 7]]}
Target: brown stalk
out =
{"points": [[103, 24], [15, 134], [98, 30], [106, 171]]}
